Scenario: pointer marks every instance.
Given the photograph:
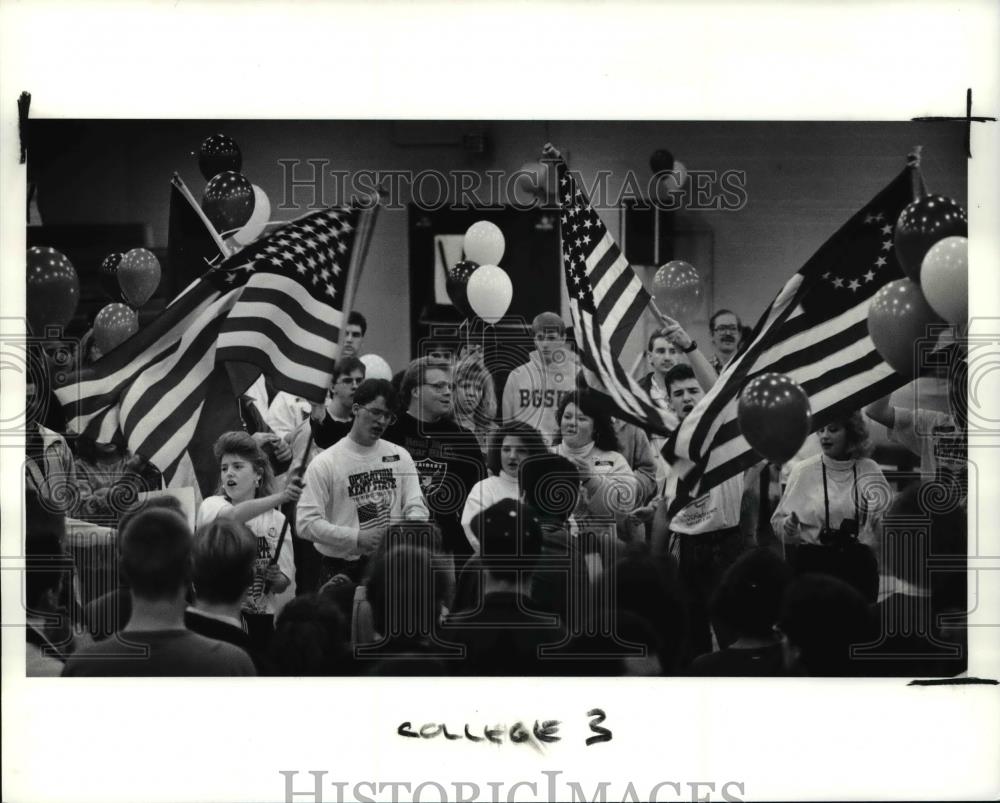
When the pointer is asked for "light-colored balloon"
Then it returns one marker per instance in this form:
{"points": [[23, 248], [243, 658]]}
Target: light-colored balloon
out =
{"points": [[484, 243], [673, 180], [489, 292], [258, 218], [376, 367], [944, 278]]}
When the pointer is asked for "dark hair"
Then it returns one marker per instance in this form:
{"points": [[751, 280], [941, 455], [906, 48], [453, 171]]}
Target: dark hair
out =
{"points": [[657, 334], [40, 519], [357, 319], [371, 389], [156, 554], [86, 448], [171, 503], [824, 617], [310, 638], [720, 313], [679, 372], [604, 431], [402, 586], [414, 376], [551, 485], [347, 365], [510, 538], [527, 434], [749, 597], [243, 445], [222, 561], [46, 565]]}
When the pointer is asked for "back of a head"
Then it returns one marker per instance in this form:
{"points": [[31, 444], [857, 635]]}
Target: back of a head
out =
{"points": [[402, 583], [47, 566], [156, 554], [170, 503], [222, 566], [551, 486], [647, 586], [310, 638], [40, 517], [823, 617], [511, 539], [749, 597]]}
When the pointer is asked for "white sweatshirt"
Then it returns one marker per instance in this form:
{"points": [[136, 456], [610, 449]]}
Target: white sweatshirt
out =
{"points": [[485, 494], [349, 487]]}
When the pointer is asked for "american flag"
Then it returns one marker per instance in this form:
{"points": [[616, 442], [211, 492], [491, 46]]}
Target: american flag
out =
{"points": [[278, 304], [815, 331], [607, 301]]}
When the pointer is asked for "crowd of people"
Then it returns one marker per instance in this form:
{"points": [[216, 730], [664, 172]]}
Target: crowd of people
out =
{"points": [[448, 523]]}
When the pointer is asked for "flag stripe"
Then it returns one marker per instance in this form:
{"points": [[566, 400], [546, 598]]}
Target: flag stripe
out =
{"points": [[273, 333]]}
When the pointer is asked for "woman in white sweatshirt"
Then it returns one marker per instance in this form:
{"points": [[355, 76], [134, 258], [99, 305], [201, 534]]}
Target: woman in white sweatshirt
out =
{"points": [[834, 502], [509, 446]]}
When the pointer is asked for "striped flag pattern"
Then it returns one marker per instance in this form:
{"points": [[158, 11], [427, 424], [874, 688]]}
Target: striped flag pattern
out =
{"points": [[277, 304], [607, 301], [815, 331]]}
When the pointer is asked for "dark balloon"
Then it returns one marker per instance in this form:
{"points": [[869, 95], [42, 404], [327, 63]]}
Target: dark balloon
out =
{"points": [[774, 416], [923, 223], [457, 282], [52, 289], [108, 276], [898, 317], [219, 153], [138, 276], [661, 160], [228, 201]]}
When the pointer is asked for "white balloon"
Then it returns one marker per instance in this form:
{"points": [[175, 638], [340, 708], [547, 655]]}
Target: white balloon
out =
{"points": [[672, 181], [258, 218], [489, 292], [376, 367], [484, 243], [944, 278]]}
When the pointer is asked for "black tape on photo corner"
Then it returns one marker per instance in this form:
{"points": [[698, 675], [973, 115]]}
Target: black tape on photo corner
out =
{"points": [[23, 105]]}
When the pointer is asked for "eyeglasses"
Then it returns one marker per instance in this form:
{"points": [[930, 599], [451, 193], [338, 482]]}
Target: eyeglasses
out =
{"points": [[380, 415], [441, 386], [726, 327]]}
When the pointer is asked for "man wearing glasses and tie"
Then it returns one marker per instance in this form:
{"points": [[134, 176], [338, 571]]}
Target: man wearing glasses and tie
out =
{"points": [[725, 329], [446, 455], [354, 489]]}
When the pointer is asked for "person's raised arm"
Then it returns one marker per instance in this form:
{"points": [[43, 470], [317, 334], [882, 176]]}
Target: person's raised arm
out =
{"points": [[700, 366], [882, 412], [250, 509]]}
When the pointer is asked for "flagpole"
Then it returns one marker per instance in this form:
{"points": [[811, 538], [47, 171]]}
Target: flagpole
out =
{"points": [[178, 182], [916, 176]]}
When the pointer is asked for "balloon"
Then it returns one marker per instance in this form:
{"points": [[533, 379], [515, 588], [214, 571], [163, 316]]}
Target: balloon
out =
{"points": [[923, 223], [532, 182], [490, 291], [219, 153], [774, 416], [113, 325], [661, 160], [678, 287], [897, 317], [138, 276], [108, 276], [484, 243], [52, 289], [456, 284], [228, 201], [376, 367], [258, 218], [944, 278], [671, 181]]}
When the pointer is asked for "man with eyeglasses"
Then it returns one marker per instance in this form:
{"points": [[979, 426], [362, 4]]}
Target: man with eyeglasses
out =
{"points": [[446, 455], [724, 326], [354, 489]]}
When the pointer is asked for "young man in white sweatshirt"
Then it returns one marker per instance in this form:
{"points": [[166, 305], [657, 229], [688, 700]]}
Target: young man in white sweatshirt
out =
{"points": [[535, 389], [358, 486]]}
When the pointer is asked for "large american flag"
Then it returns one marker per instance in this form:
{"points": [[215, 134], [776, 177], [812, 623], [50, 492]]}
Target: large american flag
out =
{"points": [[278, 304], [815, 331], [607, 301]]}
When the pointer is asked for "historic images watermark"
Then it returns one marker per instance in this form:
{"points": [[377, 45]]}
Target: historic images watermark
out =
{"points": [[313, 787], [315, 184]]}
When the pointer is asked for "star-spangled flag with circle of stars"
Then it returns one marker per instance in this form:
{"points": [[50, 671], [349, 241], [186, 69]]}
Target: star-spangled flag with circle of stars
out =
{"points": [[816, 332], [607, 301], [278, 305]]}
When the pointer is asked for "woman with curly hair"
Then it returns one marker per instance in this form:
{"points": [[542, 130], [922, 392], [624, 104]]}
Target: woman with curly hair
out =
{"points": [[587, 438], [247, 495], [831, 505], [509, 446], [474, 403]]}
